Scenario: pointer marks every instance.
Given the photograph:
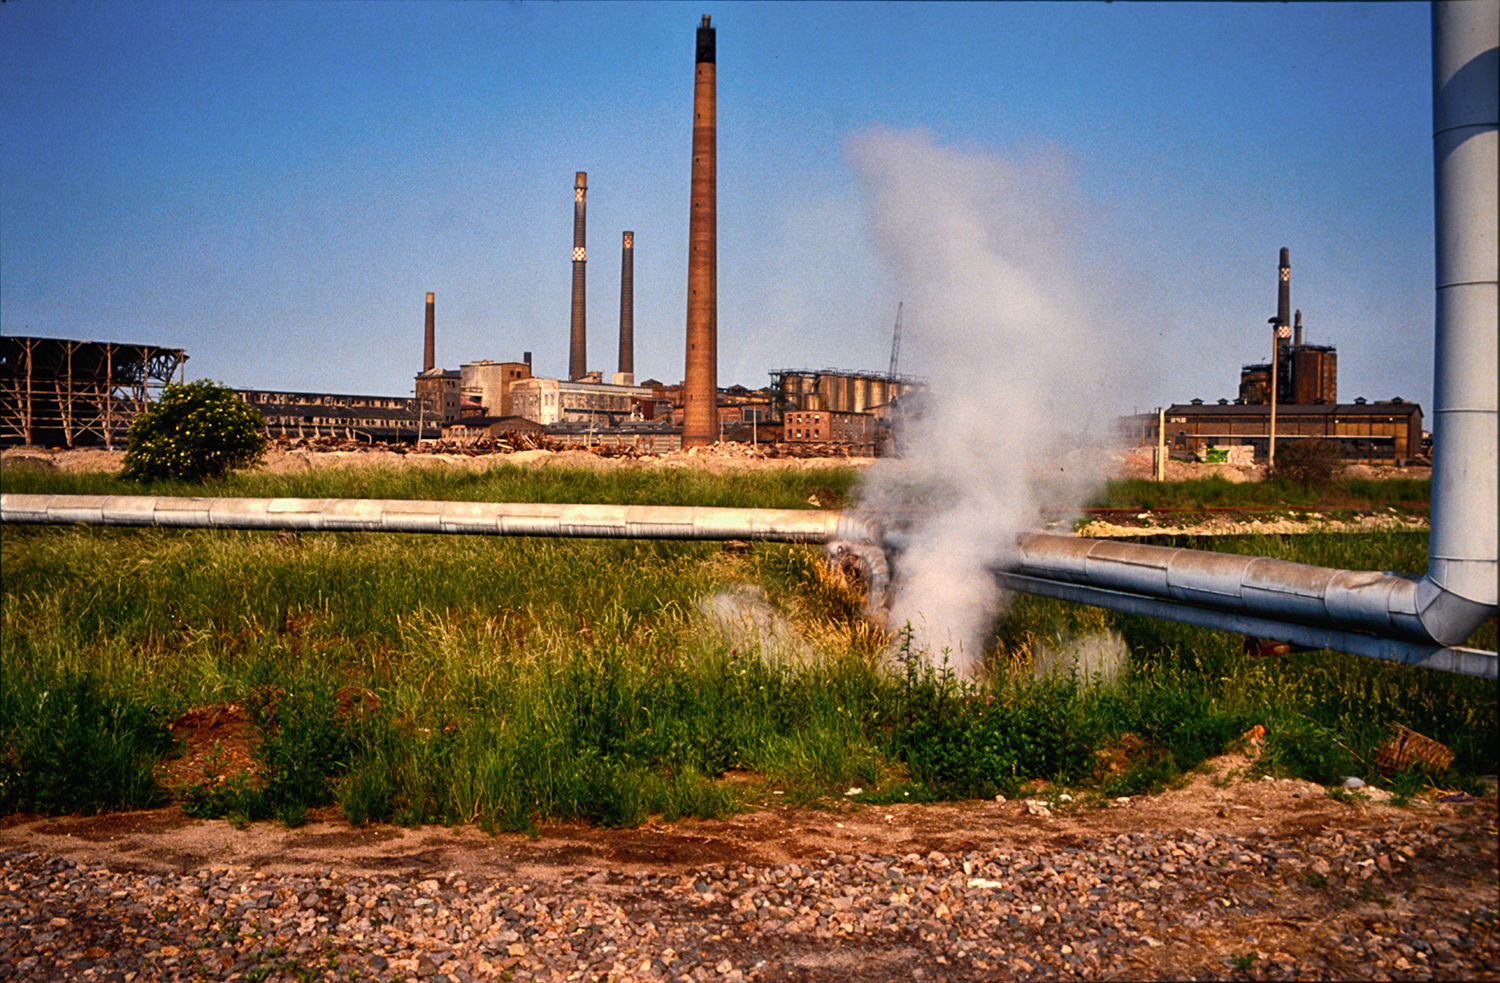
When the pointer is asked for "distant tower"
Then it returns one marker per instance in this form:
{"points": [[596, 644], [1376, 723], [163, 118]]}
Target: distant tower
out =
{"points": [[577, 362], [627, 308], [1284, 386], [700, 387], [429, 353]]}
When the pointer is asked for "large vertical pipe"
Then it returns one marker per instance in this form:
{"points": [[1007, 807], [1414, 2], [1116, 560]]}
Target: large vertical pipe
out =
{"points": [[429, 351], [1465, 52], [577, 360], [700, 388], [627, 307]]}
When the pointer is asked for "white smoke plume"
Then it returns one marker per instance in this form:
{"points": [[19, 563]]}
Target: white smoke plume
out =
{"points": [[982, 253]]}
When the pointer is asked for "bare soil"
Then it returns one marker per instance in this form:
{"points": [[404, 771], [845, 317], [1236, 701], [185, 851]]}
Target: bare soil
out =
{"points": [[1220, 798]]}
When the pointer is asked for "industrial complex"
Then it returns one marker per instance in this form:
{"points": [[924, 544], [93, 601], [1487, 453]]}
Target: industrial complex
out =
{"points": [[1304, 380], [68, 393]]}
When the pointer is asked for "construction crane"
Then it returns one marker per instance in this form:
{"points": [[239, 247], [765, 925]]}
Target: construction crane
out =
{"points": [[896, 344]]}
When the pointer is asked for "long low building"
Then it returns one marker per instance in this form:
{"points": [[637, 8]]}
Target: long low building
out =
{"points": [[386, 419], [1373, 433]]}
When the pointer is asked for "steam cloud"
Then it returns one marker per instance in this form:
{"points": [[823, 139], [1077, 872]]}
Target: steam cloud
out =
{"points": [[981, 250]]}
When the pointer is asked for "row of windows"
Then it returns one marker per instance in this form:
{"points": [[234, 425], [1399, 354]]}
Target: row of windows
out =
{"points": [[301, 399], [330, 421]]}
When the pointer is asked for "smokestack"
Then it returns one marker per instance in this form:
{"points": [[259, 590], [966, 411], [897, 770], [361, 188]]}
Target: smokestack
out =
{"points": [[429, 353], [1284, 384], [577, 368], [700, 387], [1297, 329], [627, 307], [1284, 295]]}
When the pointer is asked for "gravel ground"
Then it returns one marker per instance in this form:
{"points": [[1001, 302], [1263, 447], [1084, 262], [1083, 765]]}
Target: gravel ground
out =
{"points": [[1397, 898]]}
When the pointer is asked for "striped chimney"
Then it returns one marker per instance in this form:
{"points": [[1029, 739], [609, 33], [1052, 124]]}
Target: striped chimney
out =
{"points": [[1284, 295], [700, 387], [577, 362], [627, 304]]}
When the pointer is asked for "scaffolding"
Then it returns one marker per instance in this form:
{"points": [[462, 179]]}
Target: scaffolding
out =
{"points": [[59, 392]]}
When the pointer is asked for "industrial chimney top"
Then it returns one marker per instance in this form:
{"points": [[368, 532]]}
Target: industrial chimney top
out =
{"points": [[705, 21]]}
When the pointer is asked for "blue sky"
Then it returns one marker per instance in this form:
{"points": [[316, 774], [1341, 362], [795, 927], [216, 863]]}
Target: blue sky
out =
{"points": [[275, 186]]}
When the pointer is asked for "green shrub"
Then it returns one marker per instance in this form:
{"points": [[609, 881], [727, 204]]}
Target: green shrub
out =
{"points": [[1306, 463], [196, 431]]}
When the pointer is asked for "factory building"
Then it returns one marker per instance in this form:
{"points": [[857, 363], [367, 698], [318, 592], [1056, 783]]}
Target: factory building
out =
{"points": [[857, 431], [587, 401], [440, 394], [58, 392], [1371, 433], [488, 384], [1304, 379], [348, 416]]}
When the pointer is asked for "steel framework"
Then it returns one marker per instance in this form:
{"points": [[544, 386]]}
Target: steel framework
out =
{"points": [[56, 391]]}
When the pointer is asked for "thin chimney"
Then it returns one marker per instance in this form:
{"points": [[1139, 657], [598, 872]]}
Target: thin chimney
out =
{"points": [[577, 362], [627, 307], [429, 353]]}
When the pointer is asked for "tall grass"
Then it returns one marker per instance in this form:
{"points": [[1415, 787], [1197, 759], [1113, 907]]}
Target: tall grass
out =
{"points": [[429, 679], [769, 488], [1215, 491]]}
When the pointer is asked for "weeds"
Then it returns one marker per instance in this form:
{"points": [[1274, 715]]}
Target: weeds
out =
{"points": [[426, 679], [72, 743]]}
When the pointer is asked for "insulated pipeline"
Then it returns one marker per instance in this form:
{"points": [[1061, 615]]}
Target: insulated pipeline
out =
{"points": [[462, 518], [1384, 604]]}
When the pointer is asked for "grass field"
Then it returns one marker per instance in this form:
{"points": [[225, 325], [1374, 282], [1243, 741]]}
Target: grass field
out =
{"points": [[428, 679]]}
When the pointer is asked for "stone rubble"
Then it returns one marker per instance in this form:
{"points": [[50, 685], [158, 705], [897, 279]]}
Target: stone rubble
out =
{"points": [[1393, 903]]}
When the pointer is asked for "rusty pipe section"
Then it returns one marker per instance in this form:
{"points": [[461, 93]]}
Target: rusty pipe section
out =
{"points": [[462, 518]]}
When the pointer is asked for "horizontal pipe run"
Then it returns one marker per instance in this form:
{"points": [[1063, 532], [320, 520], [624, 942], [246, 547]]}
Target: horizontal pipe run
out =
{"points": [[464, 518], [1385, 604], [1463, 661], [1378, 615]]}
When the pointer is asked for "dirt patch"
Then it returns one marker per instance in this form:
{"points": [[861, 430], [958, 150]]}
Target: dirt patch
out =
{"points": [[214, 744], [1219, 799]]}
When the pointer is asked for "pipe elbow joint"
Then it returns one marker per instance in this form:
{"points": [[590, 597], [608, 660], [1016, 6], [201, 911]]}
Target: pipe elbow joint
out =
{"points": [[1447, 616]]}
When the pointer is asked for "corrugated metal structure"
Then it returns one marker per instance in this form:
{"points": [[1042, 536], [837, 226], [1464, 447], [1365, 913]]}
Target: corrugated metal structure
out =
{"points": [[60, 392]]}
